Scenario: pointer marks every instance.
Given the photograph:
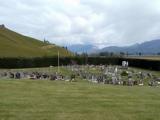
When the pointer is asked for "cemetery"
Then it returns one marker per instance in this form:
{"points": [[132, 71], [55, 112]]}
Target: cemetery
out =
{"points": [[80, 92], [101, 74], [80, 60]]}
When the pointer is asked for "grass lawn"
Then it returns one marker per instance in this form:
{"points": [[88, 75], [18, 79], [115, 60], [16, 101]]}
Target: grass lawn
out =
{"points": [[59, 100]]}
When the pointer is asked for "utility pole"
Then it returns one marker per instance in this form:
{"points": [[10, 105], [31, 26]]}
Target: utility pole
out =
{"points": [[58, 61], [86, 58]]}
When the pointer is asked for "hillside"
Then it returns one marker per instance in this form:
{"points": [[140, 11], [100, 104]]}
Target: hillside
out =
{"points": [[13, 44], [150, 47]]}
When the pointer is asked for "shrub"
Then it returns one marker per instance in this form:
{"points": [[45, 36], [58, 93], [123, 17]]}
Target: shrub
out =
{"points": [[124, 73]]}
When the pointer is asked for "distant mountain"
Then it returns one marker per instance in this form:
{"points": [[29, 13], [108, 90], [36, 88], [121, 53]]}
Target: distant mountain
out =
{"points": [[149, 47], [13, 44], [80, 48]]}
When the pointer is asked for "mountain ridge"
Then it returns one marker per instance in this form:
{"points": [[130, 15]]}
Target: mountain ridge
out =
{"points": [[81, 48], [149, 47]]}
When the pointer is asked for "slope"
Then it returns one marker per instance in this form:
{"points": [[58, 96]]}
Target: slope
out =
{"points": [[13, 44]]}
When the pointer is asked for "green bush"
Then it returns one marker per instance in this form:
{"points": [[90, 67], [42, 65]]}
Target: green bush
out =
{"points": [[124, 73]]}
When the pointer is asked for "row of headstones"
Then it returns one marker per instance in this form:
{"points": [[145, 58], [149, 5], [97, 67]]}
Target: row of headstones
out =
{"points": [[16, 75], [118, 71], [111, 71], [119, 81], [32, 75], [83, 74], [85, 67], [116, 80]]}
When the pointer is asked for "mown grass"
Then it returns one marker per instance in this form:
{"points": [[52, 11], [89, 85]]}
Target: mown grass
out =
{"points": [[51, 70], [59, 100]]}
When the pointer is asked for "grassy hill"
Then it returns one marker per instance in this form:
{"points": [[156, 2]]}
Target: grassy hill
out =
{"points": [[13, 44]]}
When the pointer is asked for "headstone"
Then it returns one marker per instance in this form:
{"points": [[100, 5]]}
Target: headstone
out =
{"points": [[53, 77], [150, 75], [141, 83], [135, 82], [116, 70], [94, 79], [114, 80], [72, 77], [130, 82], [124, 83], [17, 75], [153, 83], [11, 75], [125, 64]]}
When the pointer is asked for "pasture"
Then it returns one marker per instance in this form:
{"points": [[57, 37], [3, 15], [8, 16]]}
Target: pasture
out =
{"points": [[153, 57], [81, 100]]}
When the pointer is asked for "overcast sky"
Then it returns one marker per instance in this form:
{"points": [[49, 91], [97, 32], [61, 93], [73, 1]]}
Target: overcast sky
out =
{"points": [[98, 22]]}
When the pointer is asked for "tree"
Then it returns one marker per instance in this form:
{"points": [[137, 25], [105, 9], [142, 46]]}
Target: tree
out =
{"points": [[111, 54], [122, 54], [104, 54], [140, 54], [46, 41]]}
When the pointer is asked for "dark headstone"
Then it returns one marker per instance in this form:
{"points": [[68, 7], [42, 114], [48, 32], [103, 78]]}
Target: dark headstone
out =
{"points": [[17, 75]]}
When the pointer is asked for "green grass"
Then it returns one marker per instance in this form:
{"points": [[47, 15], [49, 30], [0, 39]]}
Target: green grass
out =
{"points": [[58, 100], [153, 57], [63, 70], [13, 44], [81, 100]]}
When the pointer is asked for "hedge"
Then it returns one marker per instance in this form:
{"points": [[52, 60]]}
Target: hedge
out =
{"points": [[48, 61]]}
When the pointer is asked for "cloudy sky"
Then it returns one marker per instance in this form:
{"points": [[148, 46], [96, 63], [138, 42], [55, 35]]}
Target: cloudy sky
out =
{"points": [[98, 22]]}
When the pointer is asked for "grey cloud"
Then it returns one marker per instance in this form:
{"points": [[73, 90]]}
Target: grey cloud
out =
{"points": [[65, 22]]}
